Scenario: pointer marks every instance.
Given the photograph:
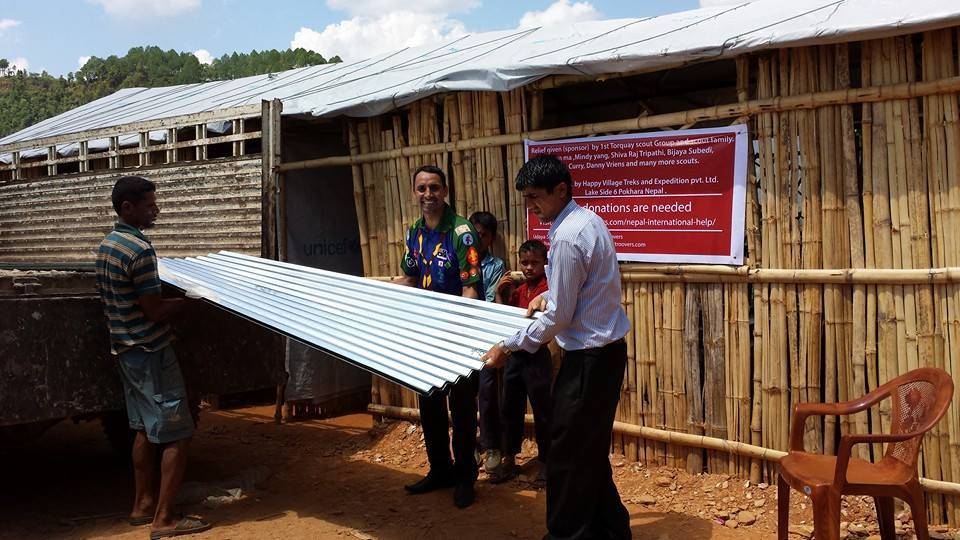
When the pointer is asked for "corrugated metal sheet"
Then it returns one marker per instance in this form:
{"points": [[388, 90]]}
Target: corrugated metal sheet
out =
{"points": [[203, 207], [507, 59], [419, 339]]}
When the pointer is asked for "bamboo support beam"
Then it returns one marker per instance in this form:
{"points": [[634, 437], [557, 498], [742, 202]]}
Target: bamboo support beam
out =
{"points": [[114, 147], [84, 163], [52, 155], [171, 154], [744, 274], [15, 163], [812, 100], [673, 438], [201, 134], [114, 152], [136, 127]]}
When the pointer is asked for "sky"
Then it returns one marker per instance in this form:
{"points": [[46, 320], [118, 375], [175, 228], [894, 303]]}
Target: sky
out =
{"points": [[57, 36]]}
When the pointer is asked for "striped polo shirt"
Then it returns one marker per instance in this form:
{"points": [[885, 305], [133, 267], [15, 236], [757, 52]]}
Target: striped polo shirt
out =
{"points": [[127, 269]]}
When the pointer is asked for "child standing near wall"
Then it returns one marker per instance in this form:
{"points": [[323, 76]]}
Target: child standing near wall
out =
{"points": [[492, 269], [525, 374]]}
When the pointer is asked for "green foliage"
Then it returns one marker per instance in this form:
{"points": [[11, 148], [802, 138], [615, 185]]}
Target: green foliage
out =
{"points": [[27, 98]]}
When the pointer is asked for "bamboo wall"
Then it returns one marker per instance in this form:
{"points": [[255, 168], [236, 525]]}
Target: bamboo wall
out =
{"points": [[849, 186]]}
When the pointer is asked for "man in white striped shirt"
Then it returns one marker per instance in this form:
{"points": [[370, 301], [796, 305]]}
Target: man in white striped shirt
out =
{"points": [[582, 311]]}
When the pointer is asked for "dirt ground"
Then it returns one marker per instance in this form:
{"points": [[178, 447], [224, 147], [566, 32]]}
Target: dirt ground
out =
{"points": [[343, 478]]}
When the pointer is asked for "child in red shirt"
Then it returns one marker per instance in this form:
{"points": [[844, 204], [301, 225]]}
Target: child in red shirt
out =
{"points": [[525, 374]]}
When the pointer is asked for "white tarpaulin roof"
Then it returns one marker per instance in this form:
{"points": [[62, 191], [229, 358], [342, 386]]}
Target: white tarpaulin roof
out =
{"points": [[504, 60]]}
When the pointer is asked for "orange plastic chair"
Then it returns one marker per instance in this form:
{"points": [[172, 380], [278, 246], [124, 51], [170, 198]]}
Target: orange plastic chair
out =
{"points": [[919, 399]]}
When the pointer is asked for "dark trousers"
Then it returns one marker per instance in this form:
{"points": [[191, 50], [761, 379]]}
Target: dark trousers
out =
{"points": [[582, 500], [463, 416], [527, 375], [489, 399]]}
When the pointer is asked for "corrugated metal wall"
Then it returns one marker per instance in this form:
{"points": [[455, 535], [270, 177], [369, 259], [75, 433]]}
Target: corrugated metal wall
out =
{"points": [[204, 207]]}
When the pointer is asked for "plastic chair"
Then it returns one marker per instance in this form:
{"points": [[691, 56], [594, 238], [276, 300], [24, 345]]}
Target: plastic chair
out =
{"points": [[919, 399]]}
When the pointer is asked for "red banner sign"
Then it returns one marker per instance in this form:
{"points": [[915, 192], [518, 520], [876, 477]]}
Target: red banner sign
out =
{"points": [[674, 196]]}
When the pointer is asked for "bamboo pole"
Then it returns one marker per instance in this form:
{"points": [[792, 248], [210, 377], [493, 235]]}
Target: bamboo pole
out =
{"points": [[630, 380], [740, 372], [673, 438], [787, 205], [812, 171], [744, 274], [618, 442], [400, 202], [871, 350], [774, 183], [664, 419], [692, 363], [754, 256], [511, 222], [497, 196], [763, 334], [714, 381], [899, 216], [788, 173], [359, 200], [917, 250], [408, 214], [831, 208], [940, 166], [855, 235], [369, 136], [736, 343], [647, 353], [478, 180], [392, 207], [641, 123], [470, 159], [883, 244], [640, 403], [452, 106], [676, 365], [389, 392]]}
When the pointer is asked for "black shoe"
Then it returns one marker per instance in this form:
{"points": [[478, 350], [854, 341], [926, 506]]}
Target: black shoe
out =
{"points": [[430, 482], [507, 470], [463, 495]]}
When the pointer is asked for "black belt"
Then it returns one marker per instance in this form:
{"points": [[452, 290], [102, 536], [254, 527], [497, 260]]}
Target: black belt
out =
{"points": [[620, 341]]}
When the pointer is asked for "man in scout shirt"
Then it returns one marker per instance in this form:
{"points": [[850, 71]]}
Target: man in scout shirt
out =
{"points": [[441, 256], [156, 398]]}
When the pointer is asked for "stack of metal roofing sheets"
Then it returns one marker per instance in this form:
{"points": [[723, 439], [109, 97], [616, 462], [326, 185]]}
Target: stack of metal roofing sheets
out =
{"points": [[419, 339]]}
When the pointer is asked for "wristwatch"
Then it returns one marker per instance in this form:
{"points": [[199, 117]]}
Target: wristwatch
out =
{"points": [[503, 347]]}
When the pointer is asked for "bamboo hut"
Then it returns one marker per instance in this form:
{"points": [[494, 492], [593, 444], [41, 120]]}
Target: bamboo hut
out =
{"points": [[852, 217]]}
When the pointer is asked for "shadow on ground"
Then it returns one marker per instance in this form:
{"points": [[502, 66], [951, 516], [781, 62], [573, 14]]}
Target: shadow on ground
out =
{"points": [[323, 483]]}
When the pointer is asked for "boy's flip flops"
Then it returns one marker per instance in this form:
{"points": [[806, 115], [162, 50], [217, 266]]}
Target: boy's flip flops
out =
{"points": [[186, 525]]}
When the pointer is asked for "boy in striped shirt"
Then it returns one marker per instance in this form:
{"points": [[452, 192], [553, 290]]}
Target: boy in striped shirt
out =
{"points": [[156, 399]]}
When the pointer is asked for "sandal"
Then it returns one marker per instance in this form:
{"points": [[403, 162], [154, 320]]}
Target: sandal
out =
{"points": [[186, 525], [138, 521]]}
